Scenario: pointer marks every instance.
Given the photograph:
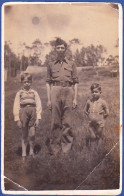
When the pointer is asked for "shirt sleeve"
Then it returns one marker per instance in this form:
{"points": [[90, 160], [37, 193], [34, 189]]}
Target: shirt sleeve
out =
{"points": [[74, 74], [105, 107], [48, 80], [38, 105], [16, 107]]}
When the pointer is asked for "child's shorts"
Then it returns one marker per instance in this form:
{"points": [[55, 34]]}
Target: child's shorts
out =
{"points": [[28, 116], [96, 120]]}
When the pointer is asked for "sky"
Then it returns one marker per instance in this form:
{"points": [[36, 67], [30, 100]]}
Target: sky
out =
{"points": [[94, 23]]}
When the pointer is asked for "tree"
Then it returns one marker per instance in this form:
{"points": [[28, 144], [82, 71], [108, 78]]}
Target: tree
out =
{"points": [[11, 61], [36, 52], [89, 56], [79, 57]]}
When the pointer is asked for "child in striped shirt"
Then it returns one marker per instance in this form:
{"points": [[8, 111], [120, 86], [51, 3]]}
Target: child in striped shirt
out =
{"points": [[27, 113], [97, 111]]}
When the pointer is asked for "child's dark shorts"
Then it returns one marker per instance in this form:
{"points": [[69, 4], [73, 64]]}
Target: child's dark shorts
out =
{"points": [[27, 116], [96, 120]]}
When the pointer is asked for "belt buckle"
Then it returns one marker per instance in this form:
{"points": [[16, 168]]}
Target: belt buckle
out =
{"points": [[63, 84]]}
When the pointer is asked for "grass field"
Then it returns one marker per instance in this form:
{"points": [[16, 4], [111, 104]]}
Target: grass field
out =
{"points": [[65, 172]]}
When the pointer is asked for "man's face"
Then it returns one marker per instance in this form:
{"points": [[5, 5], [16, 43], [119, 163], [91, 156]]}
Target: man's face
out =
{"points": [[60, 49]]}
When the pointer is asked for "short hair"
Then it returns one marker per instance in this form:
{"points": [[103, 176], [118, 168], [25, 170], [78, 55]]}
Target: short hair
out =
{"points": [[59, 41], [96, 85], [26, 76]]}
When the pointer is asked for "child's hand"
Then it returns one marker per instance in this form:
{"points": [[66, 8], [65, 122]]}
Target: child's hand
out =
{"points": [[37, 123], [19, 124], [74, 104], [102, 112], [106, 115]]}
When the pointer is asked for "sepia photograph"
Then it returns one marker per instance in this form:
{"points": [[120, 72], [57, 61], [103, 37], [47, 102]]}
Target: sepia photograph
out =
{"points": [[62, 98]]}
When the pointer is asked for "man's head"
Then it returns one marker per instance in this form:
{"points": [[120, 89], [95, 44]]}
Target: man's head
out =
{"points": [[95, 90], [60, 47], [26, 80]]}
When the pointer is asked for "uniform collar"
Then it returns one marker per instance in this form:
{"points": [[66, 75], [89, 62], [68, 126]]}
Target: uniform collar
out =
{"points": [[65, 60]]}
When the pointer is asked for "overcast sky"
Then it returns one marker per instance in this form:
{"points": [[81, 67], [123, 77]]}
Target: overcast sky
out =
{"points": [[94, 23]]}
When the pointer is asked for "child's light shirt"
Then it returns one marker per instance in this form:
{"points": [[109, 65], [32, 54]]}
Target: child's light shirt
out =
{"points": [[23, 98]]}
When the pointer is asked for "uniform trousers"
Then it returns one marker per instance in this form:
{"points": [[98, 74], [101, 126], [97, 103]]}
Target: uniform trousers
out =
{"points": [[61, 137]]}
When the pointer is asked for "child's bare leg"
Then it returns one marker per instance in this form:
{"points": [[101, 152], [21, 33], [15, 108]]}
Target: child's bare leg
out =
{"points": [[100, 132], [92, 134], [100, 135], [24, 146], [31, 140], [24, 140]]}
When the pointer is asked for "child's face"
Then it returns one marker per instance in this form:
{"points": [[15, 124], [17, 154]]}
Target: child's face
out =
{"points": [[95, 93], [27, 84]]}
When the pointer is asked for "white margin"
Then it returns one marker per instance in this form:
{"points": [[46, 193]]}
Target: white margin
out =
{"points": [[62, 192]]}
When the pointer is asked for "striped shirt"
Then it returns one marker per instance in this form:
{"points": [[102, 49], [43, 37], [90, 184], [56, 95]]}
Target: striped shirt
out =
{"points": [[62, 71], [96, 109]]}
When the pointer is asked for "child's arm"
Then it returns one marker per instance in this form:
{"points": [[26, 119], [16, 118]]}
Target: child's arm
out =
{"points": [[38, 108], [16, 108], [106, 110]]}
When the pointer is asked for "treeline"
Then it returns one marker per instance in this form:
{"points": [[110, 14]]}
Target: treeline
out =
{"points": [[32, 55]]}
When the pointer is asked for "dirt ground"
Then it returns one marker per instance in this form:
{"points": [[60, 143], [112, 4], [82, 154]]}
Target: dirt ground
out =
{"points": [[82, 168]]}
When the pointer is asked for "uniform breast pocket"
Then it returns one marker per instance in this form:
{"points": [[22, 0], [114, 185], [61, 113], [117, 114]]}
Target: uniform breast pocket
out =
{"points": [[55, 72], [68, 71]]}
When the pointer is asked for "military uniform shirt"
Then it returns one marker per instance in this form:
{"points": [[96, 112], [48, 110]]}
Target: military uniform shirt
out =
{"points": [[62, 71]]}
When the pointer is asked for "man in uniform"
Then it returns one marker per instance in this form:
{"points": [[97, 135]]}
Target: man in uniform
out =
{"points": [[61, 86]]}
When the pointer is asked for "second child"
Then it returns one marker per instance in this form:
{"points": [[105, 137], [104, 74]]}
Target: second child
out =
{"points": [[97, 111], [27, 113]]}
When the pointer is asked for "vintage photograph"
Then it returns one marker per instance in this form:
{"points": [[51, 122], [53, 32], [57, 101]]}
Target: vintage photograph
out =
{"points": [[62, 93]]}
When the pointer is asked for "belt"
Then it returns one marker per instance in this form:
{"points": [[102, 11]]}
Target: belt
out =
{"points": [[29, 105], [62, 83]]}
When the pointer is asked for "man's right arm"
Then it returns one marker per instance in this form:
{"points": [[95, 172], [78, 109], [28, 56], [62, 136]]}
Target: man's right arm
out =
{"points": [[48, 86], [49, 96]]}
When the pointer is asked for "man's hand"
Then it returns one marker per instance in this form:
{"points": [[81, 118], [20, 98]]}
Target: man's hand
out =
{"points": [[19, 124], [36, 123], [86, 113], [49, 105], [74, 104]]}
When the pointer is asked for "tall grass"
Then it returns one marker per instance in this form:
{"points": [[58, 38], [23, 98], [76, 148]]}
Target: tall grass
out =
{"points": [[64, 171]]}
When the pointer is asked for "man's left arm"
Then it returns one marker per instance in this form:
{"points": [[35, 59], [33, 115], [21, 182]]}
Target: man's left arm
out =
{"points": [[75, 82], [75, 95]]}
